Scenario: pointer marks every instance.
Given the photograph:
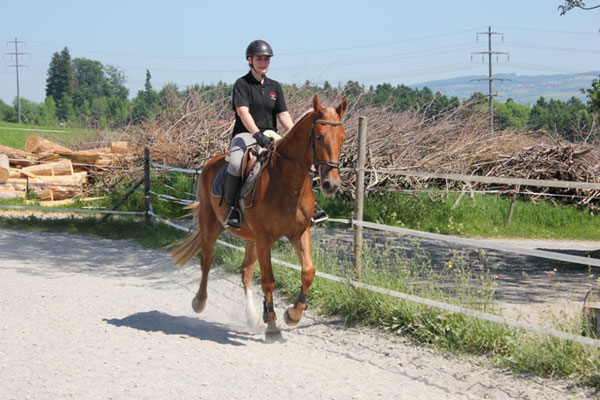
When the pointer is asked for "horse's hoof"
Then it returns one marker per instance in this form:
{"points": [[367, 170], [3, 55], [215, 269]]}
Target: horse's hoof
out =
{"points": [[288, 320], [198, 305], [273, 336]]}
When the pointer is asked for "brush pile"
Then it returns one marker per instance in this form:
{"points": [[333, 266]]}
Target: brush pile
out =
{"points": [[192, 129], [459, 142]]}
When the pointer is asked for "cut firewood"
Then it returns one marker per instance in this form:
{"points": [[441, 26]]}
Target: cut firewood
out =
{"points": [[119, 147], [68, 201], [18, 183], [48, 191], [4, 168], [9, 192], [63, 167], [52, 187], [62, 192], [77, 179], [100, 150], [36, 144], [16, 156], [105, 161], [14, 173]]}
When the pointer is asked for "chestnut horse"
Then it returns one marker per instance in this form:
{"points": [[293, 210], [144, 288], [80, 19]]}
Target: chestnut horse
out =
{"points": [[282, 205]]}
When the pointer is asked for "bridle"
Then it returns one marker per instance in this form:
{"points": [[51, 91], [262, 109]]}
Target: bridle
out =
{"points": [[316, 162]]}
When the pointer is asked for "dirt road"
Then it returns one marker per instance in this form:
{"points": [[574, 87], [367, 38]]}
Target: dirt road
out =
{"points": [[91, 318]]}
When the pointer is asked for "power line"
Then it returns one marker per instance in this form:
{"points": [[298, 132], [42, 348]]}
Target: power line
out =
{"points": [[549, 31], [370, 45], [539, 47], [17, 54], [490, 77]]}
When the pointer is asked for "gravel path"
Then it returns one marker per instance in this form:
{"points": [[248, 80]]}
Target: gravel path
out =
{"points": [[91, 318]]}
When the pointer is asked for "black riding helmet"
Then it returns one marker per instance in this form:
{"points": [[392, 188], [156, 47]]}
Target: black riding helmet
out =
{"points": [[259, 48]]}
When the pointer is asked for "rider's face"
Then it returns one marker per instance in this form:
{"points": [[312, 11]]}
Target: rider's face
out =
{"points": [[261, 63]]}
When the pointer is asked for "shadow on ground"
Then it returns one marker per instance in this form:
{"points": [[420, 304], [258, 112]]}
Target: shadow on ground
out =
{"points": [[156, 321]]}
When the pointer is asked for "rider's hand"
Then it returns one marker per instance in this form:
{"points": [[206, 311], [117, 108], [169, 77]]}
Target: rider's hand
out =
{"points": [[262, 140]]}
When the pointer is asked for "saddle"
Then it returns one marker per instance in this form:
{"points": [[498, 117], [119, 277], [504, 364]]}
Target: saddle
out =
{"points": [[253, 163]]}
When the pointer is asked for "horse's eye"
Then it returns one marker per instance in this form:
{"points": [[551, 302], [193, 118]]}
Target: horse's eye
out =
{"points": [[320, 138]]}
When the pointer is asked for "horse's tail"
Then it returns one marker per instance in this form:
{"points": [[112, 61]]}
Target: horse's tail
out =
{"points": [[189, 246]]}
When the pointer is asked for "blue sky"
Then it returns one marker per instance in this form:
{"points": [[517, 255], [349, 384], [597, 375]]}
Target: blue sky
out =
{"points": [[194, 42]]}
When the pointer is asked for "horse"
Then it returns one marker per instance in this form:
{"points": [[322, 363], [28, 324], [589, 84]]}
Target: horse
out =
{"points": [[282, 206]]}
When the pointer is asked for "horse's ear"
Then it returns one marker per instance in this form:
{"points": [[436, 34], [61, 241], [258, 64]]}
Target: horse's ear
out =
{"points": [[341, 110], [317, 104]]}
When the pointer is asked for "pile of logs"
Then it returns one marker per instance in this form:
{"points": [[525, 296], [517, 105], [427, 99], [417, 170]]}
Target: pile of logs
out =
{"points": [[53, 172]]}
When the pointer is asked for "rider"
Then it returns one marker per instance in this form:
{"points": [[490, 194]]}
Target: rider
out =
{"points": [[259, 104]]}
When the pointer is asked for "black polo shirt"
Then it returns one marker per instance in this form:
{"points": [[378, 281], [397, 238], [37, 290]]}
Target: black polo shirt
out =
{"points": [[264, 101]]}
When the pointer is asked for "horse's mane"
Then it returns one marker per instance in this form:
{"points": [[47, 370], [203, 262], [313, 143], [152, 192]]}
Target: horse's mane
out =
{"points": [[303, 115], [308, 113]]}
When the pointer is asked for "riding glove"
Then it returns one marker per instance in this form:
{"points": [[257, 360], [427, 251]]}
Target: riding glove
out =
{"points": [[262, 140]]}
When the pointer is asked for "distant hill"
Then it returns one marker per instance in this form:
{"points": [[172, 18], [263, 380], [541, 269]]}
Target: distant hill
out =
{"points": [[524, 89]]}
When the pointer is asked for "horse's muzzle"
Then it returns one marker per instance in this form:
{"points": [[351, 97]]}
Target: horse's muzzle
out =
{"points": [[329, 184]]}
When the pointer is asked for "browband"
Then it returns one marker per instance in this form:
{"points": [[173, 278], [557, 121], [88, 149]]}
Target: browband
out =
{"points": [[325, 122]]}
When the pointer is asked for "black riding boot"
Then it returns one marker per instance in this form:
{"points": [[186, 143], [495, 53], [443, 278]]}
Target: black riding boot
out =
{"points": [[232, 192]]}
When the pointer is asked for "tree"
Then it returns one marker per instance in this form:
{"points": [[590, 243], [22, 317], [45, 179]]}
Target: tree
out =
{"points": [[593, 95], [145, 104], [90, 83], [7, 113], [568, 119], [47, 113], [29, 110], [116, 82], [571, 4], [511, 114], [60, 82]]}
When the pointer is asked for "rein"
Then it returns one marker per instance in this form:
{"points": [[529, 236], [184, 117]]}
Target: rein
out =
{"points": [[316, 162]]}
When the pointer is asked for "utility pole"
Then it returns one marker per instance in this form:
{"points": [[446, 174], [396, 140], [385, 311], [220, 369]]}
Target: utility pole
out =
{"points": [[17, 66], [490, 77]]}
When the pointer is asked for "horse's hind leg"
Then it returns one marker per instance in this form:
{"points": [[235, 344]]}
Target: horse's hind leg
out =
{"points": [[247, 275], [211, 229], [304, 251]]}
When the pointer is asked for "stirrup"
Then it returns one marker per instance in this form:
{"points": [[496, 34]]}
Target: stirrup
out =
{"points": [[318, 217], [233, 219]]}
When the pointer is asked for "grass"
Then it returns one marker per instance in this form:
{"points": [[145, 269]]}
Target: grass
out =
{"points": [[480, 216], [126, 229], [16, 138]]}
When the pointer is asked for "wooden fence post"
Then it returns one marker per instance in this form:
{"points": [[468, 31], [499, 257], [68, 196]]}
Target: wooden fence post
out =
{"points": [[147, 185], [360, 193]]}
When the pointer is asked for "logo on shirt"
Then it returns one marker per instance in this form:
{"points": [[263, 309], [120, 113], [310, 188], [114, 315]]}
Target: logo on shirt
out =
{"points": [[273, 96]]}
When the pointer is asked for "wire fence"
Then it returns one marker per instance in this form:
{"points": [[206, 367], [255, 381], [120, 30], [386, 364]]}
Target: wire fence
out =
{"points": [[186, 197]]}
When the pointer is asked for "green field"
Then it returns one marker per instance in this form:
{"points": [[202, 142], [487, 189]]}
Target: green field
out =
{"points": [[479, 216], [15, 135]]}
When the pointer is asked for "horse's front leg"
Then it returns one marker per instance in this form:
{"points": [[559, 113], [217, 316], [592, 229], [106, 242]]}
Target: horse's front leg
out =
{"points": [[303, 248], [247, 275], [263, 248]]}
